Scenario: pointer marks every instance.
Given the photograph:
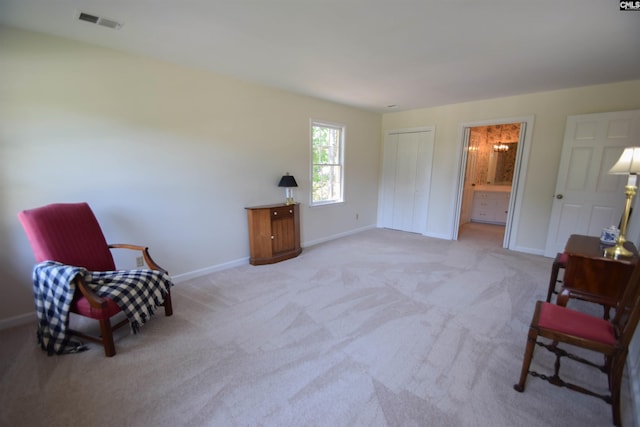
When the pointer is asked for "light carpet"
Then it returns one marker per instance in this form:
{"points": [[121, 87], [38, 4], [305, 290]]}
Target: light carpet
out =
{"points": [[381, 328]]}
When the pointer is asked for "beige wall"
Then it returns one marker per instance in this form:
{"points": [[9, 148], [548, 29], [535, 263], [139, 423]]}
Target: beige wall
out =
{"points": [[169, 156], [550, 110], [166, 156]]}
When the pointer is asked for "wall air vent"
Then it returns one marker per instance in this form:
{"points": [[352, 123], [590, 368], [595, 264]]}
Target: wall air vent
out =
{"points": [[109, 23]]}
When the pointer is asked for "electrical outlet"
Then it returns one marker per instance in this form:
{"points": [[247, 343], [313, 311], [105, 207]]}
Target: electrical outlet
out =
{"points": [[139, 261]]}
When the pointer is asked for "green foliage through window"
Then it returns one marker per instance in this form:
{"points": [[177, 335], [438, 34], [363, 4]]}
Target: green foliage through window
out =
{"points": [[327, 143]]}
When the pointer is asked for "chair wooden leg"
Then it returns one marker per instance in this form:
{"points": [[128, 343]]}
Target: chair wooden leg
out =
{"points": [[107, 338], [615, 383], [615, 408], [526, 361], [168, 307]]}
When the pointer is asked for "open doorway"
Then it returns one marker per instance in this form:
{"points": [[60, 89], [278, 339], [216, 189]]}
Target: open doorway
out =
{"points": [[488, 179], [491, 175]]}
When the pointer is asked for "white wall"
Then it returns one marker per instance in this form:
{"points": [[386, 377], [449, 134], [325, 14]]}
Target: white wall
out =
{"points": [[550, 110], [166, 156]]}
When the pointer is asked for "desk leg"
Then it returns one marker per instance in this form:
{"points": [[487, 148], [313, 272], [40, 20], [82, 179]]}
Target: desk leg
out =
{"points": [[553, 279]]}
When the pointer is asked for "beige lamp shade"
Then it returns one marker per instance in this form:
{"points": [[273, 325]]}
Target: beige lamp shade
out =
{"points": [[628, 163]]}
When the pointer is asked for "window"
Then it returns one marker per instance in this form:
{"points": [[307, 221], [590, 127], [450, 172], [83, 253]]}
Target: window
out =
{"points": [[327, 164]]}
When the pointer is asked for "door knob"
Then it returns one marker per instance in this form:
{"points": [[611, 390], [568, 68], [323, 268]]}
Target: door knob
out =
{"points": [[559, 196]]}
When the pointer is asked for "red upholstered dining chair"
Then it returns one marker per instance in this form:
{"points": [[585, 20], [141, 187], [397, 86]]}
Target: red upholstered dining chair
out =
{"points": [[69, 233], [562, 326]]}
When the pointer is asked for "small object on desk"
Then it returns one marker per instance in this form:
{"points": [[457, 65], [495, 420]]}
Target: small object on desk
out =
{"points": [[609, 235]]}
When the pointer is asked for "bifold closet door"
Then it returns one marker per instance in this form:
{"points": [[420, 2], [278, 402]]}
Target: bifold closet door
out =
{"points": [[406, 180]]}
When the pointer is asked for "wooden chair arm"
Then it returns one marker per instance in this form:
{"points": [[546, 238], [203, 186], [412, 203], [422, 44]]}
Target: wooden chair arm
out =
{"points": [[145, 254], [94, 300]]}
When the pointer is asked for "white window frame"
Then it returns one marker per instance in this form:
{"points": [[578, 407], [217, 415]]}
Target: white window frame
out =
{"points": [[342, 128]]}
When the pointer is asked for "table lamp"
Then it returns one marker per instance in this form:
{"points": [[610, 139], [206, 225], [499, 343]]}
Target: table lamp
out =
{"points": [[627, 164], [288, 182]]}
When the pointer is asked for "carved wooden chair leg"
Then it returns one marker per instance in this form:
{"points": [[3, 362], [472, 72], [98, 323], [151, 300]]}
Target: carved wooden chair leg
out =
{"points": [[107, 338], [168, 306], [526, 361], [615, 383]]}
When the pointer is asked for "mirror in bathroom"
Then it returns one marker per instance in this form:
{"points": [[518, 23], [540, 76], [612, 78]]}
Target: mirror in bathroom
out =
{"points": [[502, 160]]}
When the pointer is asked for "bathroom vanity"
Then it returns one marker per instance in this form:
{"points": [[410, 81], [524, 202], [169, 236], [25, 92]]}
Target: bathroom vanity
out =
{"points": [[491, 204]]}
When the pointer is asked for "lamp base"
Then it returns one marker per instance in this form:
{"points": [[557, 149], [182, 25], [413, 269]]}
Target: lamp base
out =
{"points": [[617, 251], [288, 196]]}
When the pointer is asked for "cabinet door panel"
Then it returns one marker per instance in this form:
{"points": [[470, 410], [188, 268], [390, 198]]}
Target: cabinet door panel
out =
{"points": [[490, 206], [283, 234]]}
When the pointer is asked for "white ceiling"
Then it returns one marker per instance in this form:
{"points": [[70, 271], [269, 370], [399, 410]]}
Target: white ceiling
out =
{"points": [[367, 53]]}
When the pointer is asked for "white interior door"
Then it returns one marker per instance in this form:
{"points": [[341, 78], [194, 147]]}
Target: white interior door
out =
{"points": [[587, 198], [406, 180]]}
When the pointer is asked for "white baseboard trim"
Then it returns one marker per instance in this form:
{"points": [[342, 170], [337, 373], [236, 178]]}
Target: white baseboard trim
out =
{"points": [[22, 319], [437, 236], [26, 318], [530, 251], [337, 236], [179, 278]]}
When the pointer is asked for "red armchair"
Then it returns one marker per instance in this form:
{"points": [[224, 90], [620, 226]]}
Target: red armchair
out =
{"points": [[69, 233]]}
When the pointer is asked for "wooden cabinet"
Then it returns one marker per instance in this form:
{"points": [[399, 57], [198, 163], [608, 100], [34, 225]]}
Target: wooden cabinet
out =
{"points": [[274, 233], [490, 206]]}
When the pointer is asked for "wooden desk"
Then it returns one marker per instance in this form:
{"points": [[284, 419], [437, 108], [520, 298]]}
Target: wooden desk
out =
{"points": [[591, 276]]}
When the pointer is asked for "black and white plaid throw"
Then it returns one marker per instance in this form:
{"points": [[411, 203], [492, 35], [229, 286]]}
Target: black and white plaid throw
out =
{"points": [[53, 289], [138, 293]]}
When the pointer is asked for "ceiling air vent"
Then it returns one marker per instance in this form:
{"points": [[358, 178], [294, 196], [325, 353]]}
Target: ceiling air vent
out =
{"points": [[109, 23]]}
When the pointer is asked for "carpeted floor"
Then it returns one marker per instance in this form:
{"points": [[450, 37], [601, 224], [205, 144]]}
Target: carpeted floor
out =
{"points": [[381, 328]]}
